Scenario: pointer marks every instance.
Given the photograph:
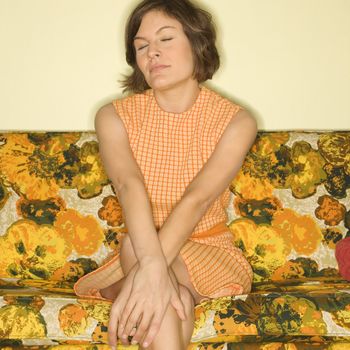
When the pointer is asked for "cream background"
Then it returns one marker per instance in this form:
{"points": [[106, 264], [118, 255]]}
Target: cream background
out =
{"points": [[286, 61]]}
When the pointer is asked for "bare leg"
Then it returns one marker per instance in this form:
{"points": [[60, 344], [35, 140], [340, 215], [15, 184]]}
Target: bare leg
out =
{"points": [[174, 334], [170, 334]]}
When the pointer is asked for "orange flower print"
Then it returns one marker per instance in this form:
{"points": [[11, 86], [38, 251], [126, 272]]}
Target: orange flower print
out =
{"points": [[84, 232], [330, 210], [22, 321], [260, 211], [301, 230], [96, 309], [342, 317], [263, 246], [111, 211], [69, 272], [73, 320], [335, 148], [289, 270], [296, 268], [100, 334], [331, 236], [248, 187], [337, 181], [32, 251], [72, 270], [225, 324], [113, 237], [42, 212], [307, 170], [269, 161], [29, 165], [4, 195], [267, 144], [91, 176]]}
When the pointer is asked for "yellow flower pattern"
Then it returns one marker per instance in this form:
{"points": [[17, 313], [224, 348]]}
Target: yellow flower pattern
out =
{"points": [[32, 251], [61, 220], [83, 232]]}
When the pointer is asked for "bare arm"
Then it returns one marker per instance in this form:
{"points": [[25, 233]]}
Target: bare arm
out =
{"points": [[125, 174], [210, 182], [147, 289]]}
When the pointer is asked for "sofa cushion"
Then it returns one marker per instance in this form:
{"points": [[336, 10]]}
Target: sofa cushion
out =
{"points": [[60, 218], [46, 314]]}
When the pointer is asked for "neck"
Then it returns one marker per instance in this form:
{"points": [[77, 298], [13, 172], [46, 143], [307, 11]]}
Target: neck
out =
{"points": [[177, 99]]}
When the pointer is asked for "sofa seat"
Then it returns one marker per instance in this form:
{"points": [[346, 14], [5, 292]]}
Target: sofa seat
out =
{"points": [[60, 219], [38, 312]]}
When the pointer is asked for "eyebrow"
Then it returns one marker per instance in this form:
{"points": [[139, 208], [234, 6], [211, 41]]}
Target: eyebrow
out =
{"points": [[141, 37]]}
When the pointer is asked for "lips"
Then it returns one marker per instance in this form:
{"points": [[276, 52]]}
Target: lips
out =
{"points": [[158, 68]]}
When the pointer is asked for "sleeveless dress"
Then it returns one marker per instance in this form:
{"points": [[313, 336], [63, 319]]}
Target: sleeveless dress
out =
{"points": [[170, 149]]}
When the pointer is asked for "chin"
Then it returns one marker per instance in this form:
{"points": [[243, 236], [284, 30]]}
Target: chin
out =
{"points": [[163, 85], [160, 85]]}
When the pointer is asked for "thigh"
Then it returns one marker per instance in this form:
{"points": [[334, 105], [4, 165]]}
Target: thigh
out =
{"points": [[180, 269], [184, 293], [127, 261]]}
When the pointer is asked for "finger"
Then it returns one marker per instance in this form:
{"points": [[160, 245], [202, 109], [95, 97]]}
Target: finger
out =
{"points": [[125, 314], [115, 316], [112, 325], [178, 305], [133, 318], [142, 327], [153, 329], [133, 331]]}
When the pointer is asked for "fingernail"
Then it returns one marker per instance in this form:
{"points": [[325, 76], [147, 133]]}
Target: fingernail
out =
{"points": [[145, 344], [134, 342]]}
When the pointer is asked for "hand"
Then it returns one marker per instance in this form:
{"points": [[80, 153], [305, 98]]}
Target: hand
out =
{"points": [[145, 296], [118, 306], [138, 333]]}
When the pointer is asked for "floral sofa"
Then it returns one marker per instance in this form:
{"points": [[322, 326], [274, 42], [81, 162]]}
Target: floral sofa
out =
{"points": [[60, 219]]}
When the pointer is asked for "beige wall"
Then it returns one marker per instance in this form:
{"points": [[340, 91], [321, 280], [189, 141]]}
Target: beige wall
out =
{"points": [[287, 61]]}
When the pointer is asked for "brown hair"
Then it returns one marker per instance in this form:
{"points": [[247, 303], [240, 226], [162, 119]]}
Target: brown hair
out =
{"points": [[198, 27]]}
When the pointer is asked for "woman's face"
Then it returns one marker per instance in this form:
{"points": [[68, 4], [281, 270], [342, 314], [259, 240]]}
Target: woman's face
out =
{"points": [[163, 51]]}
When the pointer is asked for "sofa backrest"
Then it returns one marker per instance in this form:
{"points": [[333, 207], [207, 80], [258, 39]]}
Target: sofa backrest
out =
{"points": [[60, 218]]}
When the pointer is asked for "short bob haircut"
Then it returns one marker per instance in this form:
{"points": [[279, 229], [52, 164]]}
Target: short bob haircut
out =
{"points": [[198, 27]]}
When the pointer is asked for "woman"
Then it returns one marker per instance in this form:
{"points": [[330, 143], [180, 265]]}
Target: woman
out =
{"points": [[171, 150]]}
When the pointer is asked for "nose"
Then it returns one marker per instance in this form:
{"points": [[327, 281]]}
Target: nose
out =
{"points": [[153, 51]]}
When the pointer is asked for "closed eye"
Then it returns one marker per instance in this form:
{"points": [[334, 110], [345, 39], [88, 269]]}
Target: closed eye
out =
{"points": [[140, 48]]}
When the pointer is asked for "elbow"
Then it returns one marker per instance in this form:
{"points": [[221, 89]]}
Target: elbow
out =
{"points": [[197, 200], [126, 186]]}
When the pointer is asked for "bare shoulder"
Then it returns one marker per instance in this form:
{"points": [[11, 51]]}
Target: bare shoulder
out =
{"points": [[244, 118], [107, 120], [242, 125], [114, 144], [106, 111]]}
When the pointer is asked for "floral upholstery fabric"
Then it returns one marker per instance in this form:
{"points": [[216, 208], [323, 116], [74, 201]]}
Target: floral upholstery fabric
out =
{"points": [[60, 219]]}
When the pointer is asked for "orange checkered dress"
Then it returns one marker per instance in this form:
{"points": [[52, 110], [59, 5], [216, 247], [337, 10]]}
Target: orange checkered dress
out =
{"points": [[170, 149]]}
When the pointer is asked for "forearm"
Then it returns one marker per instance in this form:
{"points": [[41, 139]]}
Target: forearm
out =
{"points": [[175, 230], [138, 217], [179, 225]]}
